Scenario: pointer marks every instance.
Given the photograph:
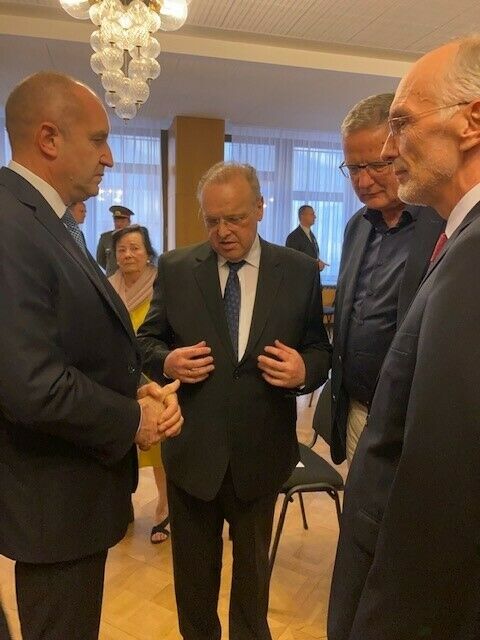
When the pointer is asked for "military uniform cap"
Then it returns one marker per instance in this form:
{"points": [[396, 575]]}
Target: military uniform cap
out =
{"points": [[121, 212]]}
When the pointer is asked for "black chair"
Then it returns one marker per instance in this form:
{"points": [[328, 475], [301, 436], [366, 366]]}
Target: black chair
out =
{"points": [[316, 474]]}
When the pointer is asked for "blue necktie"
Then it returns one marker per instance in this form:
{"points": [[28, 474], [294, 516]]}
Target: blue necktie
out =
{"points": [[231, 301], [72, 226]]}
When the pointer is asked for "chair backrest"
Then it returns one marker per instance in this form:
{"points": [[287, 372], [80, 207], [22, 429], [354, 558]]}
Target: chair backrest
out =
{"points": [[322, 418]]}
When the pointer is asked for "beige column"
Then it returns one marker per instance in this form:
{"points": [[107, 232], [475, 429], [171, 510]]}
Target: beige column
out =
{"points": [[194, 145]]}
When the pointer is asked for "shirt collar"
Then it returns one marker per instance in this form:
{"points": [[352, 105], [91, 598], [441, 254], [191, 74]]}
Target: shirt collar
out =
{"points": [[46, 190], [252, 258], [306, 229], [461, 209], [375, 217]]}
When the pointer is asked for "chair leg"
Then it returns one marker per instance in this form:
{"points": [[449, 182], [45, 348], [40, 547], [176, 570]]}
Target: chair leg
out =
{"points": [[302, 508], [278, 532], [334, 495]]}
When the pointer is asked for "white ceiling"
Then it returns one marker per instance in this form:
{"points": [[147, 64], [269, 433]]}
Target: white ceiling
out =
{"points": [[286, 63]]}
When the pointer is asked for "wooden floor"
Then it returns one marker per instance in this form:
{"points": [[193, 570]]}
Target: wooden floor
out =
{"points": [[139, 601]]}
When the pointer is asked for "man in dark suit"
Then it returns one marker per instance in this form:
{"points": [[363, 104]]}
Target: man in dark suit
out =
{"points": [[408, 561], [105, 256], [302, 238], [239, 321], [386, 251], [69, 368]]}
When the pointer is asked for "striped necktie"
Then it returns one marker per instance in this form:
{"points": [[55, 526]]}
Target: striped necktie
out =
{"points": [[74, 230], [231, 302]]}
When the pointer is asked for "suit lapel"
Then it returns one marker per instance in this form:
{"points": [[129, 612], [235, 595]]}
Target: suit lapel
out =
{"points": [[27, 194], [206, 275], [356, 253], [270, 275], [428, 226]]}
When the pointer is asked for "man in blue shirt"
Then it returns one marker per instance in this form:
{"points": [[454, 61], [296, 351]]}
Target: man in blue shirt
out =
{"points": [[386, 251]]}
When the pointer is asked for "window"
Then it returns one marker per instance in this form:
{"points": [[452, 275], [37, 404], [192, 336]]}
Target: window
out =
{"points": [[294, 169]]}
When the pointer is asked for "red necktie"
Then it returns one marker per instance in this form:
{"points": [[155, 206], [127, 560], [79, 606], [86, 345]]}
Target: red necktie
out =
{"points": [[442, 238]]}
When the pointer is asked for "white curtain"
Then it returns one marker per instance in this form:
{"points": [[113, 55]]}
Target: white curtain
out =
{"points": [[135, 181], [295, 168]]}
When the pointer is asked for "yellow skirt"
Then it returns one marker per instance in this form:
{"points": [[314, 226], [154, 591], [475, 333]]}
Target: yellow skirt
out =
{"points": [[150, 458]]}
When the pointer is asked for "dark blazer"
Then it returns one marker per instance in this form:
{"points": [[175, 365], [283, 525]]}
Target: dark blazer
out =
{"points": [[105, 256], [428, 227], [298, 240], [408, 561], [235, 417], [69, 369]]}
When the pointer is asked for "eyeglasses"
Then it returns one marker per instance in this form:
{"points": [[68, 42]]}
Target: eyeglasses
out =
{"points": [[229, 221], [373, 169], [397, 124]]}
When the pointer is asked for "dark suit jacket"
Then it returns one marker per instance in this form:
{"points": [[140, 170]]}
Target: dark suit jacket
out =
{"points": [[428, 227], [235, 417], [105, 256], [408, 560], [298, 240], [68, 376]]}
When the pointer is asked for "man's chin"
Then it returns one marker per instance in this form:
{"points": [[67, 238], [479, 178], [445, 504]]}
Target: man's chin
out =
{"points": [[410, 195]]}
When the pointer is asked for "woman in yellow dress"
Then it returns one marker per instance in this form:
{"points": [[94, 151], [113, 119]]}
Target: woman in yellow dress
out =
{"points": [[133, 281]]}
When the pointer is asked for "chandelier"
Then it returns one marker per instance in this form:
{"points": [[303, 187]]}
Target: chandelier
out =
{"points": [[125, 49]]}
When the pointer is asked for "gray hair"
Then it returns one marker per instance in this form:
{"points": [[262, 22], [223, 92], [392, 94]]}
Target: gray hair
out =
{"points": [[224, 171], [368, 113], [461, 82]]}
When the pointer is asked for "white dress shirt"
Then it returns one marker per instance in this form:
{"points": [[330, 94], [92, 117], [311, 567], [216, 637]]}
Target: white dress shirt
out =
{"points": [[248, 278], [461, 209]]}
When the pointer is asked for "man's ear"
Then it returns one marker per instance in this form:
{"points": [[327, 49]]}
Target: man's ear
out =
{"points": [[470, 133], [47, 139]]}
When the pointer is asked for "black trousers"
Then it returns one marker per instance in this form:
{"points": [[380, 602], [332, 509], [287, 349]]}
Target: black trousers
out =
{"points": [[197, 544], [61, 601], [4, 633]]}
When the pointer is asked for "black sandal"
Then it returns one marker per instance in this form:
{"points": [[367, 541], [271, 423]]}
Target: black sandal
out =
{"points": [[161, 527]]}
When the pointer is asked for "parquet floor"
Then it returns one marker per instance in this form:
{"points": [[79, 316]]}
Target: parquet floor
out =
{"points": [[139, 599]]}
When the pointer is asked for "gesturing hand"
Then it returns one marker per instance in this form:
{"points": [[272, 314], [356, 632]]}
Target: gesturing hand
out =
{"points": [[189, 364], [285, 369]]}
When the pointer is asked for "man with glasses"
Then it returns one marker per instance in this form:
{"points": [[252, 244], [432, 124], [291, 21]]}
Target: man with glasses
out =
{"points": [[239, 322], [386, 251], [408, 560]]}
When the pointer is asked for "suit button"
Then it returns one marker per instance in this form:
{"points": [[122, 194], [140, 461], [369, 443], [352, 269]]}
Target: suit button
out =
{"points": [[236, 375], [131, 369]]}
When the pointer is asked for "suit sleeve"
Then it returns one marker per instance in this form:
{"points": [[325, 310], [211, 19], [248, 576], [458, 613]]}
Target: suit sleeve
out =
{"points": [[425, 576], [40, 390], [315, 349], [155, 336]]}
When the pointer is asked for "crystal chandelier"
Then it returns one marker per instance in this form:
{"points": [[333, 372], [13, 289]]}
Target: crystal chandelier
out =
{"points": [[125, 49]]}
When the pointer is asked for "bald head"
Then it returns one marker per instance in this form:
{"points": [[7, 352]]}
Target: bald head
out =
{"points": [[58, 129], [44, 96]]}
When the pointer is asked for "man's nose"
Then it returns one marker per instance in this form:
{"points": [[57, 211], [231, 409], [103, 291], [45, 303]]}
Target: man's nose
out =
{"points": [[223, 228], [364, 179], [390, 149], [107, 158]]}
